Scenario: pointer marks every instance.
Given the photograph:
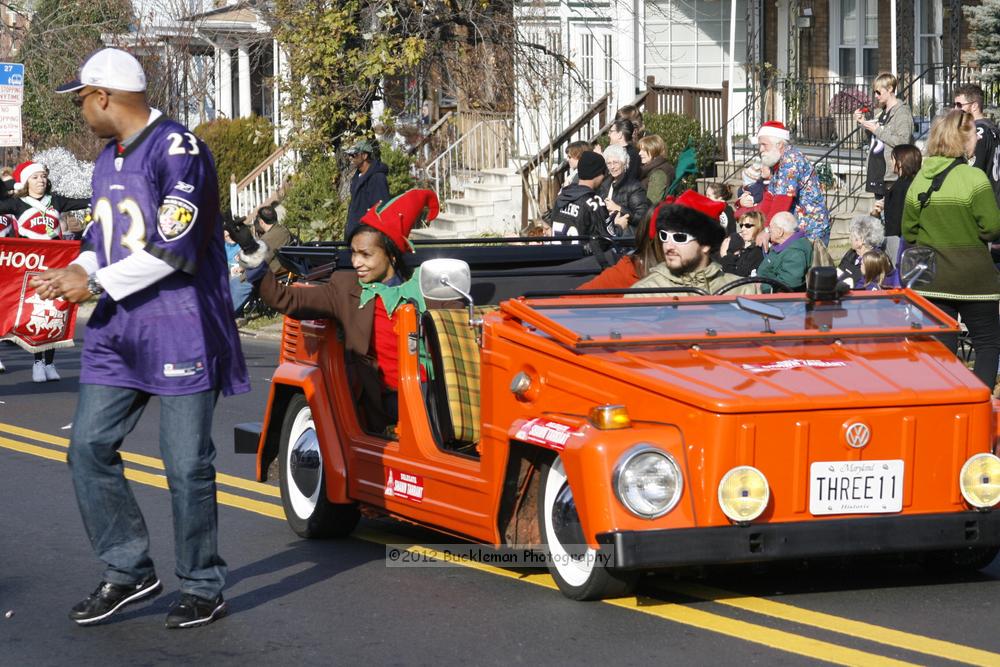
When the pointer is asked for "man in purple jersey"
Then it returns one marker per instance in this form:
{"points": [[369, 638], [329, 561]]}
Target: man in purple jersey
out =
{"points": [[154, 259]]}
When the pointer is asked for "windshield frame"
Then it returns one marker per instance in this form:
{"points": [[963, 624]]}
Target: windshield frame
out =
{"points": [[532, 312]]}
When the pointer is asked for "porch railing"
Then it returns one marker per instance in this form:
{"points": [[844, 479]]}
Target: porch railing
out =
{"points": [[485, 144], [263, 185]]}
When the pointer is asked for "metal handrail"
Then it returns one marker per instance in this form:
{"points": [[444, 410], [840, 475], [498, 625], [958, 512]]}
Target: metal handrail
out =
{"points": [[485, 146]]}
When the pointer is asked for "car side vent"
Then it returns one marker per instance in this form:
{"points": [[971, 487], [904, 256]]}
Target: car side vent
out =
{"points": [[290, 335]]}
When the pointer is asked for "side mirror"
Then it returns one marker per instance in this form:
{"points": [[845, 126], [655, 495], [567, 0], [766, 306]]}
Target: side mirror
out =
{"points": [[917, 267], [445, 279]]}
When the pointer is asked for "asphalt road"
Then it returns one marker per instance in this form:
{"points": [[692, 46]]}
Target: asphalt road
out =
{"points": [[304, 602]]}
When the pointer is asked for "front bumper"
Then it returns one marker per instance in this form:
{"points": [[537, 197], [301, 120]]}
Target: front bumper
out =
{"points": [[803, 539]]}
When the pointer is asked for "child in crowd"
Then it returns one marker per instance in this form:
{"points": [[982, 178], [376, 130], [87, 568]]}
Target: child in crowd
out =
{"points": [[755, 178], [537, 228], [722, 192], [878, 272]]}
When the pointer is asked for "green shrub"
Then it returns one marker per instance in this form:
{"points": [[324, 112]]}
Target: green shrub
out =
{"points": [[313, 210], [400, 166], [676, 130], [238, 145]]}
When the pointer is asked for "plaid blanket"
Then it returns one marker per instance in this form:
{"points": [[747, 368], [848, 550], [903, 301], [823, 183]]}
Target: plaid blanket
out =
{"points": [[459, 364]]}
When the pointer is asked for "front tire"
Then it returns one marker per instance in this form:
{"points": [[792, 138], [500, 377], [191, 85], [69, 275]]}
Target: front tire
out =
{"points": [[303, 481], [571, 563]]}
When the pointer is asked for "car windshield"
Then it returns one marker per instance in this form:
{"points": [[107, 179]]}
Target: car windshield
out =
{"points": [[643, 320]]}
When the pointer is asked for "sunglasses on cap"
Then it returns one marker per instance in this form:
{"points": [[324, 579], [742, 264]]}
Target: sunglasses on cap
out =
{"points": [[680, 238]]}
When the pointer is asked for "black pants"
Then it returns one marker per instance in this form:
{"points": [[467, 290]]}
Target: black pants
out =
{"points": [[982, 319], [47, 356]]}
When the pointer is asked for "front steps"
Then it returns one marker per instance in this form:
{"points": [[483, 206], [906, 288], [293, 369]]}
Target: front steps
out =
{"points": [[491, 206]]}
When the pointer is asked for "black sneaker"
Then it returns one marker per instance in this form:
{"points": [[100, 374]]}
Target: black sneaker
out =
{"points": [[109, 598], [191, 611]]}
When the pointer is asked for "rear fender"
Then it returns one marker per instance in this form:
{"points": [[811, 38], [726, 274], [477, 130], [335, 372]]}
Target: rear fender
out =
{"points": [[589, 457], [289, 379]]}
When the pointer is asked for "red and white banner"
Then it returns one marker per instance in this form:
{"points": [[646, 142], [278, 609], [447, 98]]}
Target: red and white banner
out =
{"points": [[34, 323]]}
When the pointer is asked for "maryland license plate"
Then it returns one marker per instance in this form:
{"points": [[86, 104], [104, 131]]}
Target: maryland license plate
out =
{"points": [[856, 487]]}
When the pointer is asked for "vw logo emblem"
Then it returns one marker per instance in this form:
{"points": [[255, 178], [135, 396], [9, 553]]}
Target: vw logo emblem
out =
{"points": [[857, 434]]}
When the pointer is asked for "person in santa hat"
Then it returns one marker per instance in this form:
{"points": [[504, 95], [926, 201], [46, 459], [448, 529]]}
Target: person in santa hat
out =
{"points": [[36, 211], [794, 185], [689, 230], [363, 302]]}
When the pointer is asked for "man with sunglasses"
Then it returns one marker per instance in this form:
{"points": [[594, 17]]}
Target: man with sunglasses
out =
{"points": [[689, 229], [161, 327], [969, 98]]}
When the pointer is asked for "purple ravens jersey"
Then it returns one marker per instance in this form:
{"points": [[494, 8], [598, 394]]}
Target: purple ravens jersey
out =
{"points": [[177, 336]]}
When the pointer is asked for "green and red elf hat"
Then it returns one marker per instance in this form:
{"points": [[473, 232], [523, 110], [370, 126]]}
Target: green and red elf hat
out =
{"points": [[396, 217]]}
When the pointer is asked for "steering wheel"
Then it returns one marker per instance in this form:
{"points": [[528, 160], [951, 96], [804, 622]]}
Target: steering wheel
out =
{"points": [[776, 284]]}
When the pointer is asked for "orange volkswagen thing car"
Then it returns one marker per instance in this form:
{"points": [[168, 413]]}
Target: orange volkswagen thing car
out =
{"points": [[624, 435]]}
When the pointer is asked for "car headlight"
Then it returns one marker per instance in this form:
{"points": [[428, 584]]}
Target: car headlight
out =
{"points": [[648, 482], [980, 480], [744, 493]]}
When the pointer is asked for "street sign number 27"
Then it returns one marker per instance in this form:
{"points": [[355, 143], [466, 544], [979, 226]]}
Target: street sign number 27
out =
{"points": [[11, 74]]}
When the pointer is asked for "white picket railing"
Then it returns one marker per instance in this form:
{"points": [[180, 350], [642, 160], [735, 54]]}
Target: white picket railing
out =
{"points": [[486, 145], [261, 185]]}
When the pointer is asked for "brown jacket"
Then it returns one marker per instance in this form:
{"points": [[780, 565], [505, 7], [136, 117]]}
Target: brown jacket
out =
{"points": [[337, 299]]}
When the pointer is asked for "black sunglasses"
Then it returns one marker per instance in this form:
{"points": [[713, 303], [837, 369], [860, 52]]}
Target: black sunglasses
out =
{"points": [[78, 99], [747, 225]]}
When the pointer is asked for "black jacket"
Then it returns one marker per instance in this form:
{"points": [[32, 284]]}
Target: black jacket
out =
{"points": [[634, 162], [850, 264], [630, 195], [367, 190], [740, 258], [892, 211], [579, 211]]}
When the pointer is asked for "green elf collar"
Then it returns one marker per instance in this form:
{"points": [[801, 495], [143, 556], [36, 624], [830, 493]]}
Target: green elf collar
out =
{"points": [[393, 295]]}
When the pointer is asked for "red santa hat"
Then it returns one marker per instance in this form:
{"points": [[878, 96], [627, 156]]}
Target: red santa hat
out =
{"points": [[396, 217], [776, 129], [24, 171]]}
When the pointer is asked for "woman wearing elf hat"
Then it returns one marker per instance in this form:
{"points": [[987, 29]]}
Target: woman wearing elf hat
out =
{"points": [[37, 212], [364, 302]]}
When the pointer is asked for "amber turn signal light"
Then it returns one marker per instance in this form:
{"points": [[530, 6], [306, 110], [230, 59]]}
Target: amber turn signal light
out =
{"points": [[610, 417]]}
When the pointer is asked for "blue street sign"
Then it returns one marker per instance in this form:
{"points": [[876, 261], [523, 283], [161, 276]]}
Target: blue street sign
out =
{"points": [[11, 74]]}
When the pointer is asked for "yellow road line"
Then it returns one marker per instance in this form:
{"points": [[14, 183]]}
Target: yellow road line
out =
{"points": [[678, 613], [875, 633], [148, 461], [265, 508]]}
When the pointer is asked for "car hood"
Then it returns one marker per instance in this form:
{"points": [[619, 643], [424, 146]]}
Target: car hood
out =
{"points": [[804, 375]]}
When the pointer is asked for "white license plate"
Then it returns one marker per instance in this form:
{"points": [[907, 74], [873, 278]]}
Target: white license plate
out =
{"points": [[856, 487]]}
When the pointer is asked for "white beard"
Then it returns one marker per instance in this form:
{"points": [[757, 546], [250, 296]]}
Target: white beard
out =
{"points": [[770, 158]]}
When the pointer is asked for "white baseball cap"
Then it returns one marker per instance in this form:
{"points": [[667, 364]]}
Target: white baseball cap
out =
{"points": [[109, 68]]}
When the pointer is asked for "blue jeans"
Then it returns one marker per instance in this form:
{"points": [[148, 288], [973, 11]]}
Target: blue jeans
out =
{"points": [[239, 292], [111, 516]]}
